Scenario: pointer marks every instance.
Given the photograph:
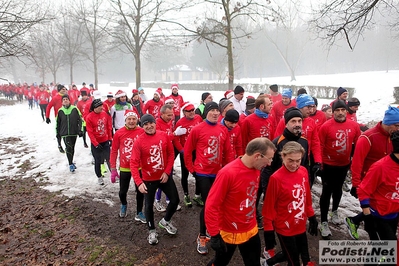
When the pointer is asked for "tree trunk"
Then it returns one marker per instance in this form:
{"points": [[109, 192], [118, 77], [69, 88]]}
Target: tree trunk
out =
{"points": [[230, 56], [71, 72], [396, 94]]}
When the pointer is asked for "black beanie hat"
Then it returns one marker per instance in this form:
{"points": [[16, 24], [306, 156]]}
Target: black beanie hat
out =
{"points": [[147, 118], [395, 141], [96, 103], [291, 113], [339, 104], [301, 91], [205, 95], [83, 93], [232, 116], [274, 87], [250, 103], [341, 90], [223, 104], [209, 106], [60, 87], [353, 102], [315, 101], [238, 90]]}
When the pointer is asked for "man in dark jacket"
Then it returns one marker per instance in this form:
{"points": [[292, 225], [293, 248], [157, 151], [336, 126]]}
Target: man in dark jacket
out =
{"points": [[69, 126]]}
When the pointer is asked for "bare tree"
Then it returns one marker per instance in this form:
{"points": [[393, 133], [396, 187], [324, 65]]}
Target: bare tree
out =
{"points": [[47, 52], [71, 41], [228, 25], [95, 21], [349, 19], [16, 19], [138, 24], [288, 35]]}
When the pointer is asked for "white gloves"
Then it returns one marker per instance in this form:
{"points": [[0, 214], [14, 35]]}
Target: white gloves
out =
{"points": [[180, 131]]}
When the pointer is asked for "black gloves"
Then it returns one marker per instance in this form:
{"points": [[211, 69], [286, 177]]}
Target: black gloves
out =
{"points": [[100, 147], [354, 191], [312, 230], [80, 134], [316, 168], [270, 240], [218, 244], [369, 224], [48, 121]]}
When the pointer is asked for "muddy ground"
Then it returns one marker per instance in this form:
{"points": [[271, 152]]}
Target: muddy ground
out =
{"points": [[38, 227]]}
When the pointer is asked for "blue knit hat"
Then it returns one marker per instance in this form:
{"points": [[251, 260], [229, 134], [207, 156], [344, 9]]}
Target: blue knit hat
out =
{"points": [[341, 90], [287, 92], [391, 116], [304, 100]]}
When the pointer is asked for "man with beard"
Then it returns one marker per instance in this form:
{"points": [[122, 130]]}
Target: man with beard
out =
{"points": [[153, 106], [305, 103], [292, 132], [337, 136]]}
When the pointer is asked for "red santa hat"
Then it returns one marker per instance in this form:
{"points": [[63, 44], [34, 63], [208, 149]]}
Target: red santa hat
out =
{"points": [[129, 112], [157, 93], [135, 91], [120, 93], [174, 86], [109, 94], [187, 106], [228, 94], [169, 100]]}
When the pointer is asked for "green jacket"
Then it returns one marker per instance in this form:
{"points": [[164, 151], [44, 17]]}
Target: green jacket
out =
{"points": [[69, 121]]}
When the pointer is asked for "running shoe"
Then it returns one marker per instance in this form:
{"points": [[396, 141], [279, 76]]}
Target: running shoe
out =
{"points": [[72, 168], [123, 211], [152, 237], [198, 200], [168, 226], [324, 229], [335, 217], [201, 245], [187, 201], [140, 217], [100, 180], [352, 228], [158, 205]]}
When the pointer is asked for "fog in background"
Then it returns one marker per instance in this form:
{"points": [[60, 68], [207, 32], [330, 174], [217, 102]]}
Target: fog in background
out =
{"points": [[259, 55]]}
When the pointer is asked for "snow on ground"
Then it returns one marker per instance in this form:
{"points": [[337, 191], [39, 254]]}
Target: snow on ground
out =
{"points": [[374, 89]]}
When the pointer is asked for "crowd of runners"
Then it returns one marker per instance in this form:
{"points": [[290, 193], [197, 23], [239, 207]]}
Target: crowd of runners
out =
{"points": [[240, 151]]}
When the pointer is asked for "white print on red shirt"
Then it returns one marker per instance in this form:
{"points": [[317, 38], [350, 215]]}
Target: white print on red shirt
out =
{"points": [[101, 127], [305, 131], [213, 149], [250, 202], [128, 146], [393, 195], [298, 204], [155, 112], [264, 131], [342, 140], [156, 157], [176, 106]]}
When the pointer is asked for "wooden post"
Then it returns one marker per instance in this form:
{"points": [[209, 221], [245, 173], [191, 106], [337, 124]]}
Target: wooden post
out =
{"points": [[396, 94]]}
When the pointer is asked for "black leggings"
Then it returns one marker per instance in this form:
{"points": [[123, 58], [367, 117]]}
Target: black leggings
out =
{"points": [[293, 246], [124, 183], [70, 147], [333, 178], [43, 108], [169, 188], [84, 135], [204, 185], [184, 177], [250, 253], [100, 156]]}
